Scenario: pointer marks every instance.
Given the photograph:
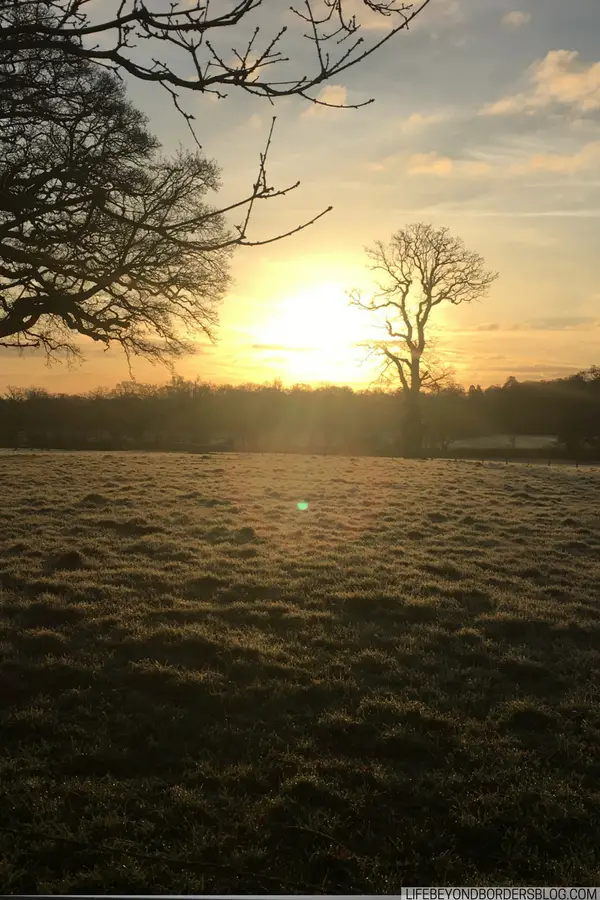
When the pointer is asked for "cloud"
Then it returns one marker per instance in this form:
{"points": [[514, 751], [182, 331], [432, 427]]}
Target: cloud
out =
{"points": [[548, 369], [474, 167], [559, 78], [430, 164], [377, 166], [417, 122], [449, 14], [555, 323], [433, 164], [506, 107], [546, 323], [464, 212], [333, 95], [516, 18], [255, 122], [586, 158]]}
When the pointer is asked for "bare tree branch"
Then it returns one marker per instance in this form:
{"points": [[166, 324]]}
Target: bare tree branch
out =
{"points": [[195, 36]]}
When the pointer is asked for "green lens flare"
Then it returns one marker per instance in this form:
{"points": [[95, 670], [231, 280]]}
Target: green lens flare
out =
{"points": [[302, 505]]}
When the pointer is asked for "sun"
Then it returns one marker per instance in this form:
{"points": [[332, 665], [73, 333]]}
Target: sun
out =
{"points": [[316, 317], [317, 334]]}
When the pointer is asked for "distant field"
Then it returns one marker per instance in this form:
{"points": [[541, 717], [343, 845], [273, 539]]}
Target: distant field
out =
{"points": [[204, 688]]}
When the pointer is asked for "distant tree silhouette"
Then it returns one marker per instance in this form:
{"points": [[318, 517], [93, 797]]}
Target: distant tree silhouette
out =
{"points": [[580, 420], [447, 416], [203, 417], [420, 269]]}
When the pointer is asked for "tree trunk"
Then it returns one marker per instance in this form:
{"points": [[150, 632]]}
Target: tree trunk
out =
{"points": [[412, 430]]}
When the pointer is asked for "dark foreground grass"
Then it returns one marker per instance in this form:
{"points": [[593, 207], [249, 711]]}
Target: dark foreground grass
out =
{"points": [[204, 688]]}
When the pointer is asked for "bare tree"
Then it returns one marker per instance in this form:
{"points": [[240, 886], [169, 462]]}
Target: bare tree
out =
{"points": [[420, 269]]}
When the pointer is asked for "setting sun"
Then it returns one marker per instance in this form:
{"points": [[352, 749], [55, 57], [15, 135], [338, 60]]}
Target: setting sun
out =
{"points": [[315, 335]]}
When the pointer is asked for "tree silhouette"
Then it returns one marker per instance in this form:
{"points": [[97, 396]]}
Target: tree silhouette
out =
{"points": [[100, 235], [420, 269], [201, 417], [187, 48]]}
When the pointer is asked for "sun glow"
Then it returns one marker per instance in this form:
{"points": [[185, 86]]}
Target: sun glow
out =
{"points": [[315, 336]]}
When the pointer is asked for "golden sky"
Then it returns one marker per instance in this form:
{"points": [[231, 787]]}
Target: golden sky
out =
{"points": [[487, 120]]}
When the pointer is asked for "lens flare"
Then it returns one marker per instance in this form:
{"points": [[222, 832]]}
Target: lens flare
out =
{"points": [[302, 505]]}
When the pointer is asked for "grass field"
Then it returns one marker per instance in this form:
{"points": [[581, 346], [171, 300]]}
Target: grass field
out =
{"points": [[205, 688]]}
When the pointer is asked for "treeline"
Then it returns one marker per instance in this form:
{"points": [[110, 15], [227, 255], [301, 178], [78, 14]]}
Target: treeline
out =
{"points": [[198, 416], [565, 408]]}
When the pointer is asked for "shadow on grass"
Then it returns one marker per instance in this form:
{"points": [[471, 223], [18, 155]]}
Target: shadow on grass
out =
{"points": [[290, 730]]}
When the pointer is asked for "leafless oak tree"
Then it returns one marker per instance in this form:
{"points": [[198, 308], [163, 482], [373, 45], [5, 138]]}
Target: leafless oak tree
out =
{"points": [[420, 269]]}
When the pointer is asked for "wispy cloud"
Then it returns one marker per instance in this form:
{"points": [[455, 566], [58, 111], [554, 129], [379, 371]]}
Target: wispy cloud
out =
{"points": [[559, 78], [586, 158], [516, 18], [547, 323], [549, 370], [555, 323]]}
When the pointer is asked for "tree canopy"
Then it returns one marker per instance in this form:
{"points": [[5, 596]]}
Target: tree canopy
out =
{"points": [[100, 235]]}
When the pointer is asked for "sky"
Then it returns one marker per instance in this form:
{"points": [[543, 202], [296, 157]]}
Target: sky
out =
{"points": [[486, 120]]}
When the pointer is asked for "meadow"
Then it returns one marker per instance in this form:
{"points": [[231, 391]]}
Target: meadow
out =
{"points": [[207, 688]]}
